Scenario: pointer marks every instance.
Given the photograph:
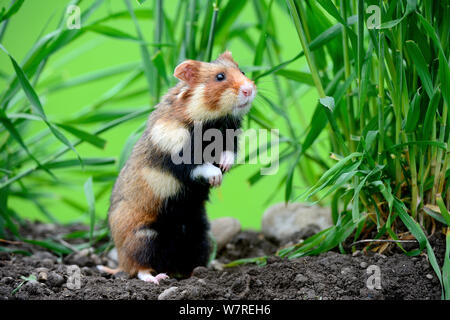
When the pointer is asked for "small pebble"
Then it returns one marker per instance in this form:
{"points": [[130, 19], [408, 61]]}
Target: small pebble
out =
{"points": [[230, 246], [111, 264], [379, 255], [200, 272], [429, 276], [41, 255], [224, 230], [168, 293], [87, 271], [96, 259], [299, 278], [121, 275], [82, 258], [47, 263], [356, 253], [363, 265], [42, 276], [7, 280], [55, 279]]}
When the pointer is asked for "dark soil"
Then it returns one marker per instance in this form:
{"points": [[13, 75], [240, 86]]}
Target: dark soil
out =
{"points": [[327, 276]]}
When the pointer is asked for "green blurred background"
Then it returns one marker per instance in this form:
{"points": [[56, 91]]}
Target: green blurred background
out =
{"points": [[236, 197]]}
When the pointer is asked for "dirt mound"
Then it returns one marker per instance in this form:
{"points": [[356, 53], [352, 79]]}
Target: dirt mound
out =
{"points": [[327, 276]]}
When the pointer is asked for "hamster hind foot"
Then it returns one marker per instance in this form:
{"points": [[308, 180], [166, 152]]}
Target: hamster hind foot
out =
{"points": [[145, 275], [108, 270]]}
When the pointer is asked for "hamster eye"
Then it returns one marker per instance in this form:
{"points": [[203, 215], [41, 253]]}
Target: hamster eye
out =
{"points": [[220, 76], [242, 72]]}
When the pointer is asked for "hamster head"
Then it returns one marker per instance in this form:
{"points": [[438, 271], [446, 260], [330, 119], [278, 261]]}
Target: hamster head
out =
{"points": [[215, 89]]}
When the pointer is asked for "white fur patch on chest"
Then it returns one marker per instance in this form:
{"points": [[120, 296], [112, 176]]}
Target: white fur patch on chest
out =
{"points": [[169, 136], [162, 184]]}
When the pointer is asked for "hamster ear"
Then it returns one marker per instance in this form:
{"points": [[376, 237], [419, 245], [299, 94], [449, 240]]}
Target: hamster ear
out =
{"points": [[187, 71], [226, 57]]}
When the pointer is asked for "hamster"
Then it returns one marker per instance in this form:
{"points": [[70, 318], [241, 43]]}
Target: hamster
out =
{"points": [[157, 213]]}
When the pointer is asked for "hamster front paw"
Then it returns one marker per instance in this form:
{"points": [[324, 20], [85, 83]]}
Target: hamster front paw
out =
{"points": [[209, 172], [226, 160]]}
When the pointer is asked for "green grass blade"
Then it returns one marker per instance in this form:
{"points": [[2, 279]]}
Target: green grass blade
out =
{"points": [[421, 66], [261, 46], [228, 17], [298, 76], [89, 193], [129, 144], [444, 212], [84, 135], [74, 163], [446, 268], [36, 103], [50, 245], [11, 11], [149, 69]]}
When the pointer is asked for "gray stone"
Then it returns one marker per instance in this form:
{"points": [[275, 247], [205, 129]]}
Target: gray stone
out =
{"points": [[42, 276], [224, 229], [43, 255], [200, 272], [55, 280], [281, 221], [84, 258], [44, 228], [47, 263], [168, 294], [7, 280], [112, 258], [81, 258], [96, 259], [299, 278], [357, 253]]}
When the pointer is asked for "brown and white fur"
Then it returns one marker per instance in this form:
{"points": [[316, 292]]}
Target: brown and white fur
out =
{"points": [[157, 214]]}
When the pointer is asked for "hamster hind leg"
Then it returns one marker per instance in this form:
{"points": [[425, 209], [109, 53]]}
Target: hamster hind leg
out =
{"points": [[134, 240], [135, 254]]}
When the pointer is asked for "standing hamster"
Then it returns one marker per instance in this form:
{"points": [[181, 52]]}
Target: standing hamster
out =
{"points": [[157, 214]]}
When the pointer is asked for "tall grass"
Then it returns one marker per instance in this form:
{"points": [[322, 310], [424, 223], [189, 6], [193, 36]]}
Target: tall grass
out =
{"points": [[381, 115], [388, 115]]}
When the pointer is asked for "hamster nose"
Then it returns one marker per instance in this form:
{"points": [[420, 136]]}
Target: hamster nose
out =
{"points": [[246, 90]]}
